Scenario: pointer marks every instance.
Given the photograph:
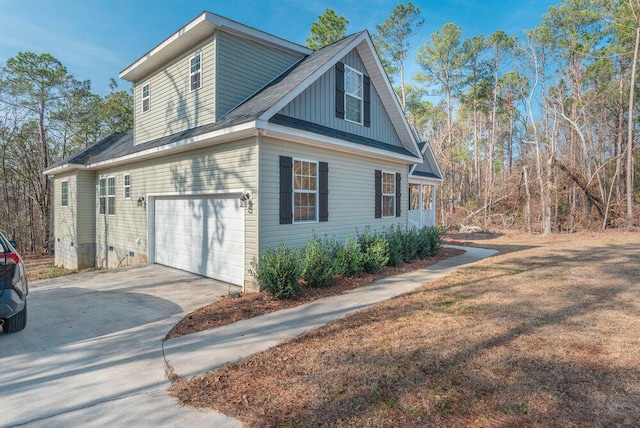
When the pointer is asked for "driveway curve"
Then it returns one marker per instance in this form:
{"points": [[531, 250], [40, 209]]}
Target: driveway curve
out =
{"points": [[91, 353]]}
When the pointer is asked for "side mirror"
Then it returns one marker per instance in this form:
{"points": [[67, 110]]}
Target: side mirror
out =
{"points": [[14, 244]]}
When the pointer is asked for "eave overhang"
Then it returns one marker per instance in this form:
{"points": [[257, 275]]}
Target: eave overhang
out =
{"points": [[203, 26]]}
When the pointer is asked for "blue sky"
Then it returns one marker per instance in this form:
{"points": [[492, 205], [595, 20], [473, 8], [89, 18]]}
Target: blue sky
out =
{"points": [[96, 39]]}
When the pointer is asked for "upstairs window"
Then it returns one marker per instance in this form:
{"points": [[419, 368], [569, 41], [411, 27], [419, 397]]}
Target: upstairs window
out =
{"points": [[353, 95], [127, 186], [65, 194], [195, 71], [146, 97]]}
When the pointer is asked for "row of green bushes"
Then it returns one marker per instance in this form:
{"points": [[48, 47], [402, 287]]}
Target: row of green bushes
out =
{"points": [[280, 271]]}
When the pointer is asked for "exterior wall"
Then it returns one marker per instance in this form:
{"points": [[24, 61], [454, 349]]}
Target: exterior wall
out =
{"points": [[174, 107], [213, 169], [74, 225], [317, 104], [351, 194], [243, 67]]}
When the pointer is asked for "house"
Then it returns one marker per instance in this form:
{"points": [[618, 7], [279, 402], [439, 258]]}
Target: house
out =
{"points": [[242, 140]]}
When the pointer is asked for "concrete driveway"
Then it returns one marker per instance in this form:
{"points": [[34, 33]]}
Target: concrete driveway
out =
{"points": [[91, 354]]}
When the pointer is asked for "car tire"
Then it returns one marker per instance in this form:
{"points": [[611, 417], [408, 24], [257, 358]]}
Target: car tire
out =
{"points": [[16, 322]]}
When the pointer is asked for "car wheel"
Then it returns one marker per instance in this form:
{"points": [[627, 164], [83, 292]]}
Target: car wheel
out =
{"points": [[16, 322]]}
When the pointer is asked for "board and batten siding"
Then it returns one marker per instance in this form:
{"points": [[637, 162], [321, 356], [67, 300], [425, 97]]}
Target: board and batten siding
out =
{"points": [[74, 225], [317, 104], [351, 194], [174, 107], [243, 67], [214, 169]]}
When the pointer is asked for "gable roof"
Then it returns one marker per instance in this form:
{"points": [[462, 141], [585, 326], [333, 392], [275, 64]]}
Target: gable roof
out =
{"points": [[259, 111], [429, 169]]}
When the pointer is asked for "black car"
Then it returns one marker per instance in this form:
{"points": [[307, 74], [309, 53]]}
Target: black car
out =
{"points": [[13, 288]]}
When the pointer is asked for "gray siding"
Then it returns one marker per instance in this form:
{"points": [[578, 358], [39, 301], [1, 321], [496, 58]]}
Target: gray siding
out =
{"points": [[243, 67], [214, 169], [351, 194], [317, 104], [174, 107]]}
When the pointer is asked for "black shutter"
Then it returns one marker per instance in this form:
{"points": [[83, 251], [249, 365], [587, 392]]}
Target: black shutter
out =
{"points": [[286, 174], [340, 90], [378, 193], [398, 194], [324, 191], [367, 100]]}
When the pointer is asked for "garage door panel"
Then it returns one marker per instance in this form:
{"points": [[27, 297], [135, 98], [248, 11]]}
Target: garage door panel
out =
{"points": [[201, 235]]}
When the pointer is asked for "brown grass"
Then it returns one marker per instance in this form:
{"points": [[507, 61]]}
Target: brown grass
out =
{"points": [[40, 266], [231, 309], [544, 336]]}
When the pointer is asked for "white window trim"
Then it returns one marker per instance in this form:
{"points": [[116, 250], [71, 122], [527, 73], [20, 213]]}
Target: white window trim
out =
{"points": [[346, 94], [191, 73], [62, 193], [393, 181], [125, 186], [294, 191], [148, 97], [106, 195]]}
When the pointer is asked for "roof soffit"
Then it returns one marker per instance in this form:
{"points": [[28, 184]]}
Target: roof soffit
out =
{"points": [[203, 26]]}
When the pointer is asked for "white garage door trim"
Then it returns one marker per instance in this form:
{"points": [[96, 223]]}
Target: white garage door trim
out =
{"points": [[176, 236]]}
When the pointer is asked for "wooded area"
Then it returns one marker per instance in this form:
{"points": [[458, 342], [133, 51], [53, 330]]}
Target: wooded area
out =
{"points": [[536, 132]]}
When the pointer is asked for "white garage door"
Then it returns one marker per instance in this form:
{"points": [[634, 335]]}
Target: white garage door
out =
{"points": [[201, 235]]}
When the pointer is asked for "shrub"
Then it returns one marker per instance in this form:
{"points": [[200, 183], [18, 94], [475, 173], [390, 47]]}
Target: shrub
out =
{"points": [[395, 238], [411, 243], [374, 250], [278, 272], [429, 242], [318, 268], [347, 258]]}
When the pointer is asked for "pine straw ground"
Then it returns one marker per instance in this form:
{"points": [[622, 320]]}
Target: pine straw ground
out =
{"points": [[546, 335], [231, 308]]}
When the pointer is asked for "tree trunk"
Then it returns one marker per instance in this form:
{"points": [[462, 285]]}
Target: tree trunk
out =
{"points": [[632, 87]]}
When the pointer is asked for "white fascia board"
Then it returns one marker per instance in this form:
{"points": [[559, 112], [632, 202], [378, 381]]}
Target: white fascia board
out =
{"points": [[192, 143], [427, 154], [204, 25], [255, 34], [313, 139], [388, 96], [61, 169]]}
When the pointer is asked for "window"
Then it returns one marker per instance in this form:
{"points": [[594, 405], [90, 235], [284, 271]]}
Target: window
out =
{"points": [[414, 196], [195, 71], [146, 97], [107, 195], [305, 190], [65, 193], [353, 95], [111, 195], [388, 194], [127, 186]]}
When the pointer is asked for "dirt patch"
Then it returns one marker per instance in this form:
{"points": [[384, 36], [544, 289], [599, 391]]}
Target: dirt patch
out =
{"points": [[231, 309], [543, 336]]}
